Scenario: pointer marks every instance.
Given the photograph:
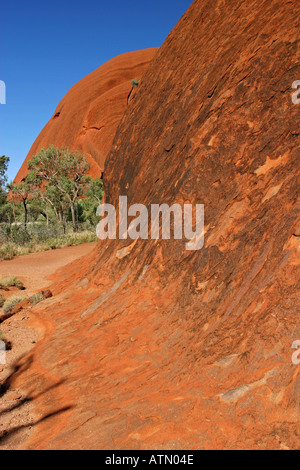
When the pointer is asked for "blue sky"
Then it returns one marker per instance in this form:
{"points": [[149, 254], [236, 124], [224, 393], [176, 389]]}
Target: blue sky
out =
{"points": [[47, 46]]}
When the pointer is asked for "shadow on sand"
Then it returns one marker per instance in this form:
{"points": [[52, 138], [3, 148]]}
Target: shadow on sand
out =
{"points": [[18, 369]]}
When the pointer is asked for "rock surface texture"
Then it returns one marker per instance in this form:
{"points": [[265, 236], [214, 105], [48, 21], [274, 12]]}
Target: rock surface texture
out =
{"points": [[146, 345], [87, 118]]}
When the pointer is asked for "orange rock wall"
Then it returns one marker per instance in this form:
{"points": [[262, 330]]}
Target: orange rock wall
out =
{"points": [[86, 119]]}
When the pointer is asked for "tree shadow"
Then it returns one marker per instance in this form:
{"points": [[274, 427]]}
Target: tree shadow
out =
{"points": [[5, 435], [30, 398], [17, 369]]}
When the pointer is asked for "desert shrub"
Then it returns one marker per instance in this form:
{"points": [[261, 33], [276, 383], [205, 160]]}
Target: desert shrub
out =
{"points": [[4, 232], [134, 83], [35, 232], [11, 281], [10, 303], [18, 234], [45, 238], [1, 301], [36, 298], [8, 251]]}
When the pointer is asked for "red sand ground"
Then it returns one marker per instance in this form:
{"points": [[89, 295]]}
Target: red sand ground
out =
{"points": [[35, 270]]}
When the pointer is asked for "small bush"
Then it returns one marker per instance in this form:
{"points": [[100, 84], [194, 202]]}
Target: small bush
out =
{"points": [[1, 301], [46, 239], [134, 83], [8, 251], [11, 281], [36, 298], [10, 303]]}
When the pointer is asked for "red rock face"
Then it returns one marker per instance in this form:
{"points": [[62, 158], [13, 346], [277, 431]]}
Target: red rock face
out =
{"points": [[86, 119], [170, 349]]}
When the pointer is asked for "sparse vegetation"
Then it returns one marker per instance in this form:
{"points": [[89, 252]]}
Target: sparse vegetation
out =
{"points": [[11, 303], [10, 249], [12, 281], [1, 301], [36, 298], [134, 83], [54, 207]]}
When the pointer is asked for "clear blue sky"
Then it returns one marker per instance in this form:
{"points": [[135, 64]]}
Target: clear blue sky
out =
{"points": [[47, 46]]}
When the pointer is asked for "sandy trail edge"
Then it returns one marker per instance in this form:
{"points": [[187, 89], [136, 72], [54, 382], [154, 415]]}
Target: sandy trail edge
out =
{"points": [[35, 269], [24, 330]]}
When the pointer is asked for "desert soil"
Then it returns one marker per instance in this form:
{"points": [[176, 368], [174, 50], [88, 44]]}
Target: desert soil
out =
{"points": [[36, 271]]}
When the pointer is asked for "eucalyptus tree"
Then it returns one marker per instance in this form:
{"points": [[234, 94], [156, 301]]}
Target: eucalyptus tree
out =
{"points": [[64, 170]]}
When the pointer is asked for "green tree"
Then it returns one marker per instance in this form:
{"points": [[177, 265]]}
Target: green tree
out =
{"points": [[5, 207], [22, 193], [3, 169], [93, 198], [94, 190], [6, 213], [58, 203], [64, 170], [13, 202]]}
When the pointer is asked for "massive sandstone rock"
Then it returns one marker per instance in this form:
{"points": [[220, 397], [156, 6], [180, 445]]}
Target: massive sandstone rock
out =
{"points": [[170, 349], [86, 119]]}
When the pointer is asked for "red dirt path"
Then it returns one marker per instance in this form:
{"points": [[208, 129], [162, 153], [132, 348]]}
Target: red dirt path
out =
{"points": [[17, 415], [35, 269]]}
